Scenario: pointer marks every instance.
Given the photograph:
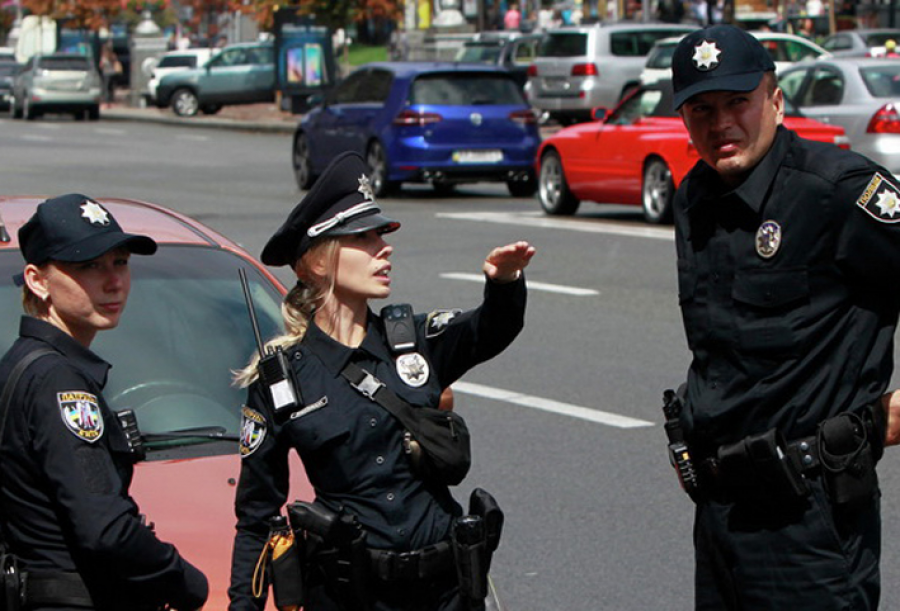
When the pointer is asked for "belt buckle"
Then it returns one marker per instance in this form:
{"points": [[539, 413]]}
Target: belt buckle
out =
{"points": [[407, 565], [368, 386]]}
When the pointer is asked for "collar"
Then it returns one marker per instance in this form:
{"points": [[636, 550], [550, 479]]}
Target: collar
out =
{"points": [[85, 360], [335, 355]]}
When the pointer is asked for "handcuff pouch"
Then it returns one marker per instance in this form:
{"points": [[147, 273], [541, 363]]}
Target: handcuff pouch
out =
{"points": [[848, 460]]}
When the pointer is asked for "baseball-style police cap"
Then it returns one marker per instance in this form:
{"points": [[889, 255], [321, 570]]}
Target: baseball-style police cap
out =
{"points": [[718, 58], [74, 228], [341, 202]]}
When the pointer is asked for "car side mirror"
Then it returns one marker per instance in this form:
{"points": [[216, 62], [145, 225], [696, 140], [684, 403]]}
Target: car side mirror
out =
{"points": [[600, 113]]}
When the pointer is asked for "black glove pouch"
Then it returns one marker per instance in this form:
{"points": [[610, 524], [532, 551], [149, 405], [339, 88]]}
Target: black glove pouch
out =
{"points": [[848, 461]]}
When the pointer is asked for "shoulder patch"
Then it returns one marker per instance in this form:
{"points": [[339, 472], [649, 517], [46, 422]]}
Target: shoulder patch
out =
{"points": [[81, 414], [881, 199], [438, 320], [253, 431]]}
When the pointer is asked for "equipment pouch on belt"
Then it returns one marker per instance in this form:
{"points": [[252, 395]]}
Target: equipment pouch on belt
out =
{"points": [[847, 459], [471, 554], [13, 582], [283, 557], [759, 463]]}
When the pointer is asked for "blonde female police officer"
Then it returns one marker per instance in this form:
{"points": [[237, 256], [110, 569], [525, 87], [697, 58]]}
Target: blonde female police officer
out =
{"points": [[65, 463], [352, 449]]}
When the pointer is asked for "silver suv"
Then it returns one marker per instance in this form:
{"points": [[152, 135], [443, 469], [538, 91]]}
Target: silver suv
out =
{"points": [[60, 82], [580, 68]]}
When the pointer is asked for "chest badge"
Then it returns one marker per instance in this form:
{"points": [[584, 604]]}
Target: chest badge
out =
{"points": [[253, 431], [81, 413], [413, 369], [768, 239]]}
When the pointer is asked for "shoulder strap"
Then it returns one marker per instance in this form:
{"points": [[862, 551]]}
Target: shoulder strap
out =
{"points": [[13, 380], [374, 389]]}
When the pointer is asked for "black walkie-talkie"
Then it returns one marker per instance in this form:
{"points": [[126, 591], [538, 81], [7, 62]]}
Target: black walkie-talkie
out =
{"points": [[274, 370]]}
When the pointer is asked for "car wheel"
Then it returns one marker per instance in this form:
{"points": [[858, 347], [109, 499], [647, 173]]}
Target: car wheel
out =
{"points": [[442, 187], [302, 164], [657, 191], [211, 109], [93, 112], [377, 159], [523, 188], [553, 191], [185, 103]]}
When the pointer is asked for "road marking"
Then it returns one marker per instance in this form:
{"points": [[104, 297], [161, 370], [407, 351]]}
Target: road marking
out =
{"points": [[547, 405], [192, 137], [537, 286], [36, 138], [110, 130], [537, 219]]}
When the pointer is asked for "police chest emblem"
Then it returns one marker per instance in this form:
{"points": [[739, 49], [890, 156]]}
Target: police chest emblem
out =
{"points": [[768, 239], [81, 413], [438, 320], [706, 56], [94, 213], [881, 200], [253, 431], [413, 369]]}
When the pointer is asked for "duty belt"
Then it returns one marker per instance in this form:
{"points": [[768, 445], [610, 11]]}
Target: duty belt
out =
{"points": [[67, 589], [422, 564], [803, 453]]}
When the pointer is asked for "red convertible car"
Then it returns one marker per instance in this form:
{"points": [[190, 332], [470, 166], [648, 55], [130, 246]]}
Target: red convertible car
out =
{"points": [[186, 327], [637, 154]]}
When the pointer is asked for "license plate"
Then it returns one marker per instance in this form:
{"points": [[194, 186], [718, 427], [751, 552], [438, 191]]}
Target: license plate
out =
{"points": [[484, 156]]}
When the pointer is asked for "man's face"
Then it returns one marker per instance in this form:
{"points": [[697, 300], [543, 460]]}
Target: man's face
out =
{"points": [[733, 130]]}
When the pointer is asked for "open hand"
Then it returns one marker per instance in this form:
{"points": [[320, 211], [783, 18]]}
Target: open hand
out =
{"points": [[505, 263]]}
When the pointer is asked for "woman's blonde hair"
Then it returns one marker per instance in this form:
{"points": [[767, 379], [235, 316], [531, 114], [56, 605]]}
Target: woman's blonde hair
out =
{"points": [[300, 304]]}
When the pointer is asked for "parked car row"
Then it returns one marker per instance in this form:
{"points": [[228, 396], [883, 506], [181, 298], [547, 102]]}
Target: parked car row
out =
{"points": [[56, 82]]}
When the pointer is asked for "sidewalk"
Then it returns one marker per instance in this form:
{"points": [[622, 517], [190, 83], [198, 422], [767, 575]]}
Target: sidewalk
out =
{"points": [[250, 117]]}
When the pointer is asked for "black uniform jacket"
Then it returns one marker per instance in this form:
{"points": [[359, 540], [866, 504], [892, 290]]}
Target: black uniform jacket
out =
{"points": [[66, 468], [788, 290], [352, 448]]}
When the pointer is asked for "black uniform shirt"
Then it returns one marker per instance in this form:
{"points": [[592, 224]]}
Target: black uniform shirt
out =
{"points": [[351, 447], [787, 338], [66, 468]]}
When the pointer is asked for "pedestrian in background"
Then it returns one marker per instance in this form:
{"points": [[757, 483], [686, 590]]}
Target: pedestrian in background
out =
{"points": [[110, 70], [788, 255], [67, 517], [357, 455], [513, 18]]}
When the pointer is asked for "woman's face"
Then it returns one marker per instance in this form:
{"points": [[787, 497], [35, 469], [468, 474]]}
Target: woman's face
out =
{"points": [[83, 298], [362, 270]]}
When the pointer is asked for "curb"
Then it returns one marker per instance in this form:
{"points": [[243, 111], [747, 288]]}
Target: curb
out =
{"points": [[155, 116]]}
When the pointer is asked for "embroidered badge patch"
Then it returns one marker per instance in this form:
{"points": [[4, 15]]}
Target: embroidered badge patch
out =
{"points": [[768, 239], [253, 431], [881, 200], [438, 320], [81, 413], [413, 369], [94, 213], [706, 56]]}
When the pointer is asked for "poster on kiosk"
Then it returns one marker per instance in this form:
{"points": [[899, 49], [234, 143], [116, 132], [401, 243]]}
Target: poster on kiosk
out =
{"points": [[305, 58]]}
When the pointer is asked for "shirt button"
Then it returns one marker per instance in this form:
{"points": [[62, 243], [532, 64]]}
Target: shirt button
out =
{"points": [[401, 532], [380, 460], [373, 422], [390, 496]]}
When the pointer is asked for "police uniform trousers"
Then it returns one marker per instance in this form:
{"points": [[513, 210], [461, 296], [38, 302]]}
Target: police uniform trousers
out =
{"points": [[434, 595], [807, 556]]}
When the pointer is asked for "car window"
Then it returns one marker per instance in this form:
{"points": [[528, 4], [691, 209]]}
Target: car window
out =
{"points": [[661, 57], [186, 328], [794, 51], [644, 103], [178, 61], [878, 39], [64, 63], [636, 44], [461, 89], [825, 89], [260, 55], [377, 86], [351, 90], [525, 52], [791, 82], [563, 44], [838, 42], [487, 54], [882, 81], [230, 57]]}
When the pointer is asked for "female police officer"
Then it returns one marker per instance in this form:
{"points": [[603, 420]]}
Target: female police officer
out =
{"points": [[352, 448], [65, 511]]}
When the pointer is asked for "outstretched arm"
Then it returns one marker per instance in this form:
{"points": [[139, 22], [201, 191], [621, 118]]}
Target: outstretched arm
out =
{"points": [[505, 263]]}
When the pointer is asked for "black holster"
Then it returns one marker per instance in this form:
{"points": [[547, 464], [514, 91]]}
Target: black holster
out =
{"points": [[13, 598], [758, 468], [848, 460], [475, 537]]}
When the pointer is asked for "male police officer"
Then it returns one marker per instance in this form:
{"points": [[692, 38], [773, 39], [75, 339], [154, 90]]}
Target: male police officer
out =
{"points": [[788, 255], [65, 463]]}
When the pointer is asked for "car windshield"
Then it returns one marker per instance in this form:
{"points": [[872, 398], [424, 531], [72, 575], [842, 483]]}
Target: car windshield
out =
{"points": [[877, 39], [185, 330], [64, 63], [661, 57], [637, 44], [563, 44], [882, 81], [465, 89], [178, 61]]}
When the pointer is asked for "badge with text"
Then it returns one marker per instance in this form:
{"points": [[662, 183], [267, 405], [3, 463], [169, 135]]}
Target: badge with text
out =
{"points": [[81, 413], [768, 239], [253, 430], [438, 320], [413, 369], [881, 200]]}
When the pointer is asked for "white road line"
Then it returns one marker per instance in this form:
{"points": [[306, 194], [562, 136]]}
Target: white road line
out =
{"points": [[537, 286], [583, 225], [191, 137], [36, 138], [547, 405], [110, 131]]}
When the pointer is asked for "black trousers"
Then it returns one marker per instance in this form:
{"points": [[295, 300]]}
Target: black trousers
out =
{"points": [[805, 557]]}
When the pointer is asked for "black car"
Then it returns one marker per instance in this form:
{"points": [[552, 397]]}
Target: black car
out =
{"points": [[515, 53]]}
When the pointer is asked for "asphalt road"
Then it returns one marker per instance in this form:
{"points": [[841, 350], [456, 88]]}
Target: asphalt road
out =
{"points": [[566, 424]]}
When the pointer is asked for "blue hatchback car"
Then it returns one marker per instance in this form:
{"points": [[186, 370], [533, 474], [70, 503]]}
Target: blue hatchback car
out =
{"points": [[435, 122]]}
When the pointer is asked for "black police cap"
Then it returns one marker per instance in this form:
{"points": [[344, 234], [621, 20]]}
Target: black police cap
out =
{"points": [[74, 228], [341, 202], [718, 58]]}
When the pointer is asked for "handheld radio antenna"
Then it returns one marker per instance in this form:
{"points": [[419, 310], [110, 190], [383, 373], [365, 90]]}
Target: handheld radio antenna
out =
{"points": [[253, 322]]}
